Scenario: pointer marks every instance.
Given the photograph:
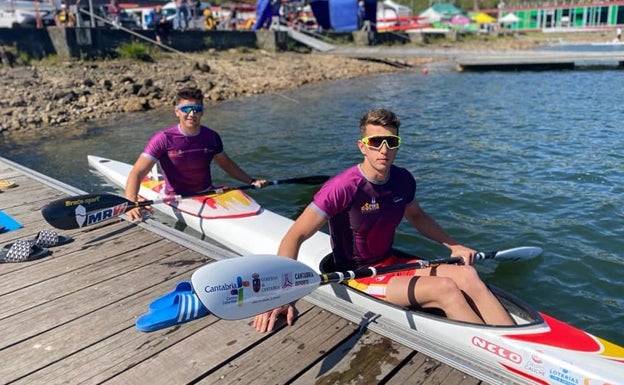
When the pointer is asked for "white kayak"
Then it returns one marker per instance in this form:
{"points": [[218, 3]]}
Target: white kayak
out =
{"points": [[538, 350]]}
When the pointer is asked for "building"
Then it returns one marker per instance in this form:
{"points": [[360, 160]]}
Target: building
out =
{"points": [[562, 17]]}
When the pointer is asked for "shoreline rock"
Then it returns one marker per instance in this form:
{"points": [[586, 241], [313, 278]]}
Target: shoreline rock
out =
{"points": [[46, 96]]}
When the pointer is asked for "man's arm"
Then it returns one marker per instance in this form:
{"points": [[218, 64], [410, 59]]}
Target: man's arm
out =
{"points": [[304, 227], [141, 168], [308, 223], [231, 168], [428, 227]]}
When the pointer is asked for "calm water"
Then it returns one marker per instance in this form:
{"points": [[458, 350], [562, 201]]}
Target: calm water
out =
{"points": [[502, 160]]}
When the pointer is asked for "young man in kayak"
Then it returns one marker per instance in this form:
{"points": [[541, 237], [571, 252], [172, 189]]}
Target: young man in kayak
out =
{"points": [[364, 205], [184, 152]]}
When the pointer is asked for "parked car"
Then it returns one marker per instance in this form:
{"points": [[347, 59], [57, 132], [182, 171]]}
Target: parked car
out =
{"points": [[22, 13], [126, 19], [169, 11]]}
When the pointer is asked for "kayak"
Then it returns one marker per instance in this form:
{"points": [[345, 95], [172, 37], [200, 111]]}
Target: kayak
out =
{"points": [[242, 225], [539, 349]]}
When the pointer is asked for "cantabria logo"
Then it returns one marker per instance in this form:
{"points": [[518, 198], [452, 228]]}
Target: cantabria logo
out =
{"points": [[234, 288], [238, 291]]}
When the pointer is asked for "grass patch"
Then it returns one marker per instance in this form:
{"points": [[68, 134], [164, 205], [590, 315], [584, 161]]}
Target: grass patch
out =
{"points": [[135, 51]]}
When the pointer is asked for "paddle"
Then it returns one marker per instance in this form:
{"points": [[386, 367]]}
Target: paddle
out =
{"points": [[515, 254], [85, 210], [234, 289]]}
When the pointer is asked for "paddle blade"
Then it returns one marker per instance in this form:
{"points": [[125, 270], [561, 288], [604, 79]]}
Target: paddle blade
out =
{"points": [[240, 288], [84, 210], [515, 254]]}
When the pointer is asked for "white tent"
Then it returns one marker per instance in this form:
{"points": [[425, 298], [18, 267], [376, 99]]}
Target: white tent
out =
{"points": [[509, 19], [388, 9], [430, 15], [400, 10]]}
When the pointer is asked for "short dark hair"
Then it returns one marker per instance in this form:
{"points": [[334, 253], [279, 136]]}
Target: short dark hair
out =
{"points": [[189, 94], [380, 117]]}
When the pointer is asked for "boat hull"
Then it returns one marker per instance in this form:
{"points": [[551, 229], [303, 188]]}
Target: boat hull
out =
{"points": [[539, 350]]}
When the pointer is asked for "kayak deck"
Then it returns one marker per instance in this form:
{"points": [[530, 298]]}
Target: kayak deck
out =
{"points": [[230, 204]]}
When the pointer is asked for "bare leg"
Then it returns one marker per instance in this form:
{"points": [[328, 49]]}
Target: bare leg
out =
{"points": [[436, 292], [468, 281]]}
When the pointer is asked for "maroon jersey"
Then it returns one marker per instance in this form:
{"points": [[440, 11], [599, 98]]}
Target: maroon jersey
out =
{"points": [[184, 160], [363, 215]]}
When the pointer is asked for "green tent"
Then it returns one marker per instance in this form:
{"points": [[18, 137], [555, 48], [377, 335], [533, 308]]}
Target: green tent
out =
{"points": [[447, 10]]}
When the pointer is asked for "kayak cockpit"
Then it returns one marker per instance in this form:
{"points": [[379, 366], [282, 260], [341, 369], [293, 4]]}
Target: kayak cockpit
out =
{"points": [[522, 313]]}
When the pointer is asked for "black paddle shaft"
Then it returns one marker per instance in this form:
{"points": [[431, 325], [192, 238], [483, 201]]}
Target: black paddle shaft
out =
{"points": [[337, 277]]}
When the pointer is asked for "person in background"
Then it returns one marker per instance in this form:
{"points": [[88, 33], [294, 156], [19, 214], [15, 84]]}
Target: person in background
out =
{"points": [[234, 20], [209, 20], [113, 12], [181, 18], [364, 205], [162, 26], [361, 13], [195, 8], [184, 152], [618, 34], [58, 10], [74, 15]]}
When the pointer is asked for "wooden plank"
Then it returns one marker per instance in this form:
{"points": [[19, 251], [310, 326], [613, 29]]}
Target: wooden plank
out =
{"points": [[202, 353], [459, 378], [289, 351], [66, 325], [44, 280], [119, 352], [86, 246], [421, 369], [365, 358], [28, 192]]}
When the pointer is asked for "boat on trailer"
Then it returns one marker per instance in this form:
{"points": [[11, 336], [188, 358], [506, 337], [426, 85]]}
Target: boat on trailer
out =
{"points": [[539, 349]]}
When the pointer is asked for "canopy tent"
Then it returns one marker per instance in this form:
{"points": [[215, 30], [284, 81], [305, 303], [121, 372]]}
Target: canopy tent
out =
{"points": [[264, 12], [389, 8], [460, 19], [341, 15], [483, 18], [430, 15], [447, 10], [509, 18]]}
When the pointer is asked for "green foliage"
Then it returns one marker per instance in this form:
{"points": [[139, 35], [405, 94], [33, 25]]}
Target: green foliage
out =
{"points": [[467, 5], [341, 39], [51, 59], [241, 49], [11, 55], [134, 51]]}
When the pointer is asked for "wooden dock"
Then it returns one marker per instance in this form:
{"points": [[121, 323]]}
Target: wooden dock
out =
{"points": [[69, 318], [540, 61], [471, 60]]}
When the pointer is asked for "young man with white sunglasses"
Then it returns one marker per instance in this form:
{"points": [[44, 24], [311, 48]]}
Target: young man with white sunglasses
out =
{"points": [[184, 152], [364, 205]]}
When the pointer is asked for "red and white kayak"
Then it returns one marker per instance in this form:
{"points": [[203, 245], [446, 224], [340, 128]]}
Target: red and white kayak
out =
{"points": [[538, 350], [238, 222]]}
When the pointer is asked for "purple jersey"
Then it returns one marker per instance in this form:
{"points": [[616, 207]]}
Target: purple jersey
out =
{"points": [[184, 160], [364, 215]]}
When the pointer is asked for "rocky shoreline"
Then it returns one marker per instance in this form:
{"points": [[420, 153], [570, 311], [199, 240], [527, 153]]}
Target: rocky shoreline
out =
{"points": [[50, 94]]}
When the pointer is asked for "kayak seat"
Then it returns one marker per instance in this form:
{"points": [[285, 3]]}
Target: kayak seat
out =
{"points": [[327, 265], [522, 313]]}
